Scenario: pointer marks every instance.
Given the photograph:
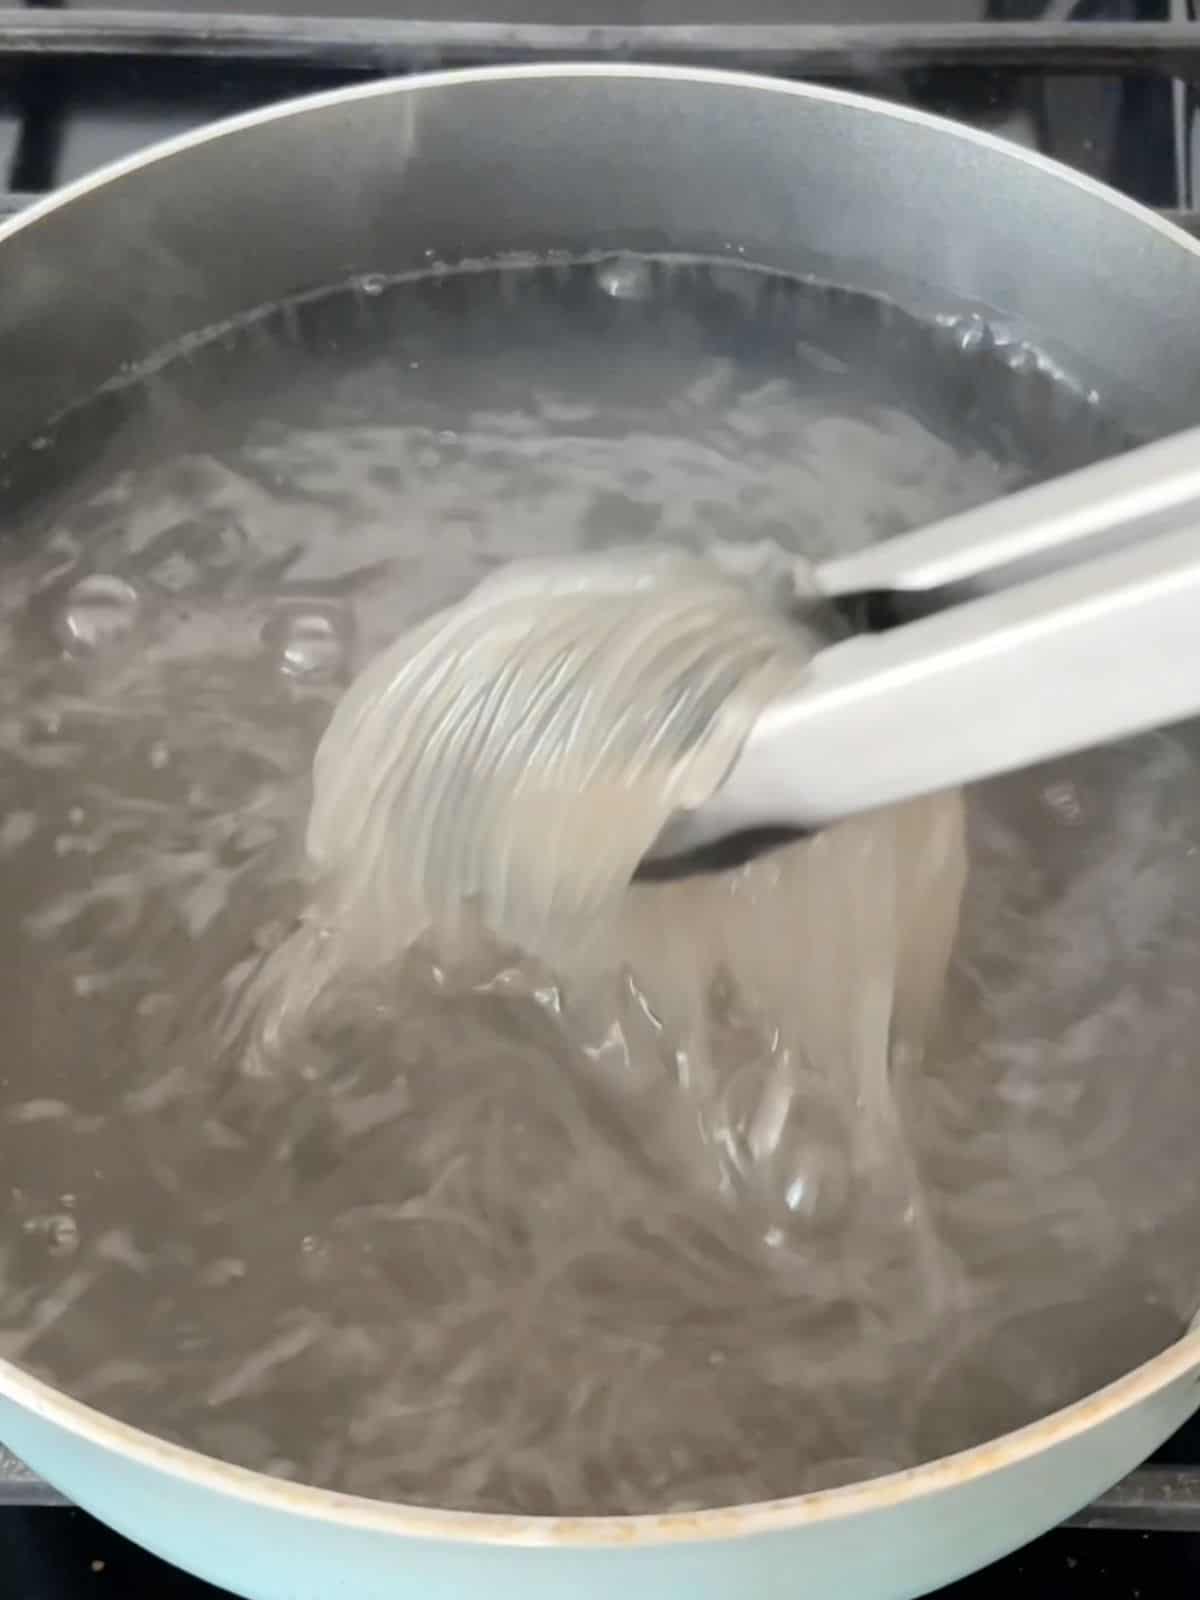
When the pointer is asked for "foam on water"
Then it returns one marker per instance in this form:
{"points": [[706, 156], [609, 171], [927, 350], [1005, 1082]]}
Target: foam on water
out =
{"points": [[487, 1244]]}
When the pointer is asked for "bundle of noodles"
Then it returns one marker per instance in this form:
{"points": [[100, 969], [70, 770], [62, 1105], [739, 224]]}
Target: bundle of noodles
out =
{"points": [[492, 780], [512, 760]]}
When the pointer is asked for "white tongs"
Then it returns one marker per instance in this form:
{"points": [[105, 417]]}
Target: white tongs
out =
{"points": [[1057, 618]]}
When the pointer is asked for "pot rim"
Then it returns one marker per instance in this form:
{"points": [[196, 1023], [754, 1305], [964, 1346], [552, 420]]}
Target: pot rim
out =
{"points": [[51, 1405], [1177, 1363]]}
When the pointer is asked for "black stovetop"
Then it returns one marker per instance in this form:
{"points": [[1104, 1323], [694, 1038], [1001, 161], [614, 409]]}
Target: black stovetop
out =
{"points": [[1107, 85], [62, 1555]]}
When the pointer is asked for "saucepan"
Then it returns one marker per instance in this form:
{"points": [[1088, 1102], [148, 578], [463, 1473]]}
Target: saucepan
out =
{"points": [[527, 162]]}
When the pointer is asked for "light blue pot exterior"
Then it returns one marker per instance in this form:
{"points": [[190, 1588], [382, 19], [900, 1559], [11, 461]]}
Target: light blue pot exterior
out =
{"points": [[574, 159]]}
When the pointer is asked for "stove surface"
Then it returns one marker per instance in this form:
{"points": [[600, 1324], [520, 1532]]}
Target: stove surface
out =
{"points": [[59, 1555]]}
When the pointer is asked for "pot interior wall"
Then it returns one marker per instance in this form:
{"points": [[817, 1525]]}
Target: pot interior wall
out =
{"points": [[478, 165]]}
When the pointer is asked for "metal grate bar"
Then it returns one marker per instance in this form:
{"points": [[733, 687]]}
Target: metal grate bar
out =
{"points": [[379, 46], [21, 1487], [1147, 1501]]}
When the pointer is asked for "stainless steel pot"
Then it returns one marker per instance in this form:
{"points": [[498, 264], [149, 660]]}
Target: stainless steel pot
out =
{"points": [[577, 159]]}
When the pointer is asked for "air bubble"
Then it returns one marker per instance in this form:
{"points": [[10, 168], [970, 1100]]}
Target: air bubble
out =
{"points": [[223, 1272], [98, 611], [1063, 802], [59, 1231], [308, 643], [625, 278], [818, 1190], [966, 333], [972, 334], [1020, 359]]}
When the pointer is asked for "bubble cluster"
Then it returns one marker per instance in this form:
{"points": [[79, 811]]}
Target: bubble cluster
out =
{"points": [[98, 611]]}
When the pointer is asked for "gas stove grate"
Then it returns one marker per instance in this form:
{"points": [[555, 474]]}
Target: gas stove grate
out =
{"points": [[63, 70]]}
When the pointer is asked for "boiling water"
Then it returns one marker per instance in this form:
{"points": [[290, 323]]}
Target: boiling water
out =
{"points": [[439, 1246]]}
